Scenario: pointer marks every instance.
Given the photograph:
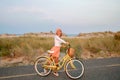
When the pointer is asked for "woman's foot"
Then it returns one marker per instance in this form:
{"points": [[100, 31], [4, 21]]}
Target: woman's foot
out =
{"points": [[56, 73]]}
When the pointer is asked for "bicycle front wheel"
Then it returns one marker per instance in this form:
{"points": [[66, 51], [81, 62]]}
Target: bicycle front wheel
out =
{"points": [[74, 69], [41, 66]]}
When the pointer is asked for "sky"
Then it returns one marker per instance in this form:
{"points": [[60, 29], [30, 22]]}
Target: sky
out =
{"points": [[72, 16]]}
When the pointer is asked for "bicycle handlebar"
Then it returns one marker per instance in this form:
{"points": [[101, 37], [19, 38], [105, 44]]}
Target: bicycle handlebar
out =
{"points": [[66, 45]]}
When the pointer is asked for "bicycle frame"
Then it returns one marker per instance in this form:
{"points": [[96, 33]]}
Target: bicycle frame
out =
{"points": [[61, 63]]}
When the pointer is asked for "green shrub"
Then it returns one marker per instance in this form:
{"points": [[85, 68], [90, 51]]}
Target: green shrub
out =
{"points": [[117, 36], [30, 46], [6, 46]]}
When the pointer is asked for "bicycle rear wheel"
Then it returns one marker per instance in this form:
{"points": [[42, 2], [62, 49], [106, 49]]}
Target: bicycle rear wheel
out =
{"points": [[41, 66], [74, 69]]}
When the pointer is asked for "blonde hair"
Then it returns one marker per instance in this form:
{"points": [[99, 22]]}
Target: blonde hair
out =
{"points": [[58, 30]]}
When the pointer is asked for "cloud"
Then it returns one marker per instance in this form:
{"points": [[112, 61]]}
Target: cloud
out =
{"points": [[23, 14], [21, 9]]}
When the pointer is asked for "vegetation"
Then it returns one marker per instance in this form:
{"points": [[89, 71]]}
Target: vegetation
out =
{"points": [[117, 36], [24, 45], [31, 46]]}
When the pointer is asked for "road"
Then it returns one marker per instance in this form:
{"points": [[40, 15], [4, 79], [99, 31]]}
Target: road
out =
{"points": [[95, 69]]}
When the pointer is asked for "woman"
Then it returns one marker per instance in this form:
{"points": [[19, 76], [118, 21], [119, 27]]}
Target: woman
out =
{"points": [[55, 50]]}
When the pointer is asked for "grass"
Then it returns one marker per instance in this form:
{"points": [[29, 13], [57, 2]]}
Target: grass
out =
{"points": [[34, 46], [24, 45]]}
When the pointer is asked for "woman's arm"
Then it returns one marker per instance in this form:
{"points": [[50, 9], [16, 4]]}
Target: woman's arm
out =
{"points": [[60, 40]]}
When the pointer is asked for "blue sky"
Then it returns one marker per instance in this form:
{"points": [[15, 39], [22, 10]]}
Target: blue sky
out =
{"points": [[72, 16]]}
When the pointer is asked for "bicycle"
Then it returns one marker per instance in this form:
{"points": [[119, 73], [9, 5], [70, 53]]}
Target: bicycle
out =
{"points": [[73, 67]]}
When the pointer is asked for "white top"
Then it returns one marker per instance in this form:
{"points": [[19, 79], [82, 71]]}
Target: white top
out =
{"points": [[58, 41]]}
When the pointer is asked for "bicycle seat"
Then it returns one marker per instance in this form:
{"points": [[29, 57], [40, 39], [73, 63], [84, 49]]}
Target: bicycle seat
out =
{"points": [[50, 51]]}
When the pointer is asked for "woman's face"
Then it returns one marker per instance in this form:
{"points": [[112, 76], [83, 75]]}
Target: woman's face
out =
{"points": [[59, 33]]}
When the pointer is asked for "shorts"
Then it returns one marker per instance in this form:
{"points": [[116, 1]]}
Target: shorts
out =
{"points": [[56, 50]]}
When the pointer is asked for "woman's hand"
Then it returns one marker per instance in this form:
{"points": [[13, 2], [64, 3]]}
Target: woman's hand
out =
{"points": [[67, 43]]}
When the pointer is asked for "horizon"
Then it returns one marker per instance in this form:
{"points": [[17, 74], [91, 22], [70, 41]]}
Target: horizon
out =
{"points": [[73, 17], [63, 33]]}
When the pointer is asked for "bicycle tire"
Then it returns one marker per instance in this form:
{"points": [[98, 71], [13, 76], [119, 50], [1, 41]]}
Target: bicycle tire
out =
{"points": [[76, 71], [39, 66]]}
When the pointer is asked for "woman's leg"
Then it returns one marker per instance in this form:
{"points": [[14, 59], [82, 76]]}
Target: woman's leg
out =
{"points": [[55, 56]]}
